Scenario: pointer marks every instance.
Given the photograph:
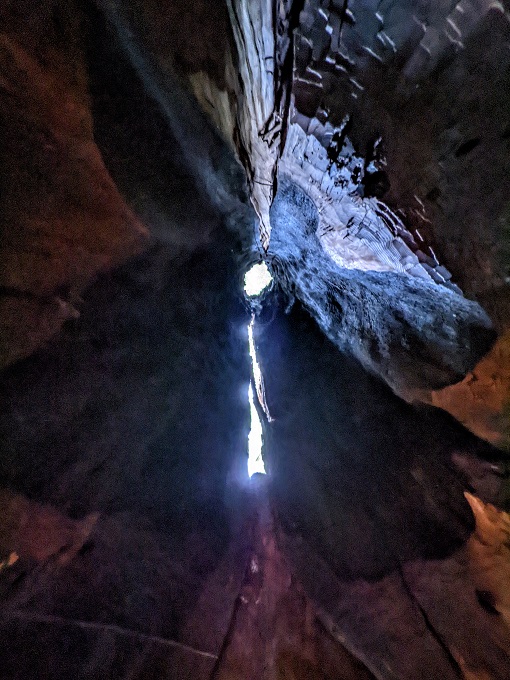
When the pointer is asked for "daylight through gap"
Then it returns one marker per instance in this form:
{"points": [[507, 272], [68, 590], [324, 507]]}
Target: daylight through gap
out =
{"points": [[255, 281]]}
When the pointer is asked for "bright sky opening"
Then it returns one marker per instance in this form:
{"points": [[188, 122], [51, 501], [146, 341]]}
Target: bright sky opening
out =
{"points": [[256, 279]]}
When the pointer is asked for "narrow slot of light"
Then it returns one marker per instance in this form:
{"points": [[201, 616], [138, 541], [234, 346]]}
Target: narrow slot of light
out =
{"points": [[257, 375], [256, 279], [255, 462]]}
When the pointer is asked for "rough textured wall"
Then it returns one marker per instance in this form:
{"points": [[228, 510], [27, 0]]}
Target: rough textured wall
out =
{"points": [[482, 400], [62, 217], [128, 534], [134, 420], [409, 331], [422, 92], [122, 440], [432, 80], [128, 546], [369, 496], [140, 31], [276, 630], [118, 439]]}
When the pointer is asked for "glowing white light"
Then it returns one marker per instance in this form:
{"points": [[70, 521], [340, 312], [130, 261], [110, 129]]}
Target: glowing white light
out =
{"points": [[256, 279], [257, 375], [255, 462]]}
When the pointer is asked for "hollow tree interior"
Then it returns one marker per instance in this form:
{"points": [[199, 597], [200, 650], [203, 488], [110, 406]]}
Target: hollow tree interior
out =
{"points": [[255, 340]]}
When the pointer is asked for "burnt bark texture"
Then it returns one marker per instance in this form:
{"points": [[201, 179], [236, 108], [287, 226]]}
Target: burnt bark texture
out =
{"points": [[132, 543]]}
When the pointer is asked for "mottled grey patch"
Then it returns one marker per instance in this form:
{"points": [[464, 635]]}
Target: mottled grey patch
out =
{"points": [[409, 331]]}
